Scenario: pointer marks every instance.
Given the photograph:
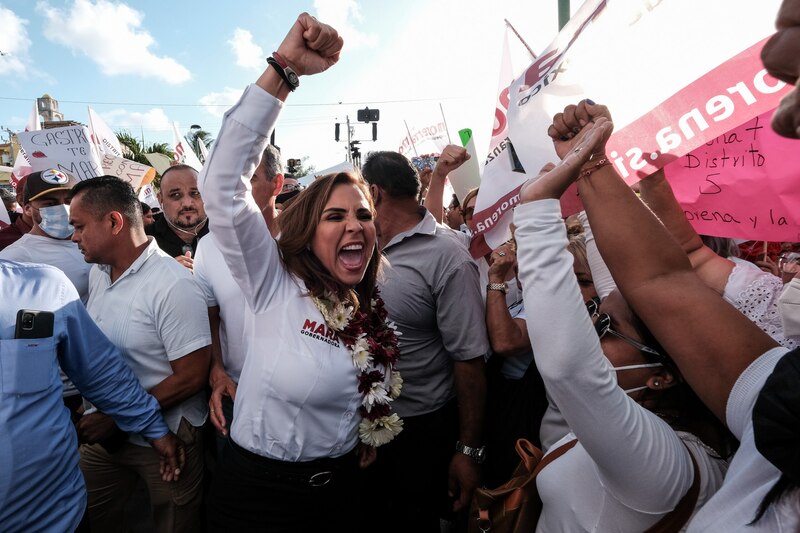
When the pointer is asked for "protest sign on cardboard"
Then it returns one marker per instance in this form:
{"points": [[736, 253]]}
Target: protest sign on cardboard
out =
{"points": [[68, 148], [742, 184]]}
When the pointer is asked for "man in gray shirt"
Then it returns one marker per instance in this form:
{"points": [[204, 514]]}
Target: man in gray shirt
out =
{"points": [[432, 292]]}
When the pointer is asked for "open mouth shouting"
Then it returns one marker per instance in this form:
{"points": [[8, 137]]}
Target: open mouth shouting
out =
{"points": [[352, 257]]}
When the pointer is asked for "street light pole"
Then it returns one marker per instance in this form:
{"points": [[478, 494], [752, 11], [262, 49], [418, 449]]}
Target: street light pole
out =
{"points": [[349, 143], [563, 13]]}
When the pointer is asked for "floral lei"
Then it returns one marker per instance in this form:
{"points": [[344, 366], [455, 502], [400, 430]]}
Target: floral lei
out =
{"points": [[372, 343]]}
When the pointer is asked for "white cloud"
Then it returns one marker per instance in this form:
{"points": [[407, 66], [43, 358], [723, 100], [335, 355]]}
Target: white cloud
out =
{"points": [[342, 15], [217, 103], [110, 35], [14, 44], [122, 119], [248, 54]]}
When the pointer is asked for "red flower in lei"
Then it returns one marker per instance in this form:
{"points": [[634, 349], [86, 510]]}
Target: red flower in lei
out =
{"points": [[372, 343]]}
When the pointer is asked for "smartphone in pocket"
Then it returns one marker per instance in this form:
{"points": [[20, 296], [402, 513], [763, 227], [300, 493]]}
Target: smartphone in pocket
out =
{"points": [[32, 324]]}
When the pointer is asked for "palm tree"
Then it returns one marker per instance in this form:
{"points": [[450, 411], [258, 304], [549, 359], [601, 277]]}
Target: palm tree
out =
{"points": [[194, 136], [132, 149]]}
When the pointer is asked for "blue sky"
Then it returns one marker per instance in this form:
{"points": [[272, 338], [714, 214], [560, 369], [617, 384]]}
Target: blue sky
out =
{"points": [[142, 65]]}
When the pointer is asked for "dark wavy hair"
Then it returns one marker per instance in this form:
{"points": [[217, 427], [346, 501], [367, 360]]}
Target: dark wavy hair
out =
{"points": [[299, 223], [693, 415]]}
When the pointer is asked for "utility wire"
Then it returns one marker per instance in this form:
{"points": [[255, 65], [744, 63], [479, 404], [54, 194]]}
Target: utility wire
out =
{"points": [[367, 102]]}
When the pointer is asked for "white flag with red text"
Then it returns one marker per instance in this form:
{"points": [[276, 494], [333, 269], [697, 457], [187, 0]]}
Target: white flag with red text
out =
{"points": [[498, 167], [183, 152], [103, 137], [675, 74]]}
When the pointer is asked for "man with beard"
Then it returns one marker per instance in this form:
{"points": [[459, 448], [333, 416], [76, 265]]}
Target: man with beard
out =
{"points": [[184, 219]]}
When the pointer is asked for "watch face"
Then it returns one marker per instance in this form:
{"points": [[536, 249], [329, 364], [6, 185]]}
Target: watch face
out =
{"points": [[293, 79]]}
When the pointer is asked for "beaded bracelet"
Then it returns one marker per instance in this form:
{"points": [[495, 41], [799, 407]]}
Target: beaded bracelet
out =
{"points": [[601, 163]]}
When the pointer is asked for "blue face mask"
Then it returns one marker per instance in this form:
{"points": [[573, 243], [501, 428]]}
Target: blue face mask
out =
{"points": [[55, 221]]}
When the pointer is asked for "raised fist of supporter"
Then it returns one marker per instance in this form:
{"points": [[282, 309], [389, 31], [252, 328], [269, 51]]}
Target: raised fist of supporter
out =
{"points": [[503, 260], [553, 180], [310, 46], [569, 126], [450, 159]]}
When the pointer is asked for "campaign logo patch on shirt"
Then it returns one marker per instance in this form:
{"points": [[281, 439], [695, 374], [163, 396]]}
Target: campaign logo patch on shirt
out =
{"points": [[319, 331]]}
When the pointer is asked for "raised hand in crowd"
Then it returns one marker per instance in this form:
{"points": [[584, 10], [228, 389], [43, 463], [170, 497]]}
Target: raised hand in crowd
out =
{"points": [[450, 159], [310, 47], [720, 353], [576, 150]]}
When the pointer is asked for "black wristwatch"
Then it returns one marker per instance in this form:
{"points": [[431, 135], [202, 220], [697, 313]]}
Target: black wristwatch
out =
{"points": [[284, 71], [479, 454]]}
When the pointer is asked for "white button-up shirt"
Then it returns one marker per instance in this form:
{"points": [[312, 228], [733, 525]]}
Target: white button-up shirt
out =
{"points": [[297, 398]]}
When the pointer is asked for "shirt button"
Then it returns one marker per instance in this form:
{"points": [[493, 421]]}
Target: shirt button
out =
{"points": [[348, 415]]}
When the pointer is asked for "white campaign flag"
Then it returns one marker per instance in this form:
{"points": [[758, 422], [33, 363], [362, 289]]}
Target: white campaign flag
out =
{"points": [[426, 133], [673, 76], [102, 137], [33, 119], [147, 194], [21, 169], [203, 148], [498, 168], [183, 152]]}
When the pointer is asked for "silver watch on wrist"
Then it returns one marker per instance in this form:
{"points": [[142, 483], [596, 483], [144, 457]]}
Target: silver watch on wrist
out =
{"points": [[499, 287], [479, 454]]}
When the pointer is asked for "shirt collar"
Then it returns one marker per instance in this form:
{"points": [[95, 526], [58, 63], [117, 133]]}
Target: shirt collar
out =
{"points": [[426, 226], [152, 248]]}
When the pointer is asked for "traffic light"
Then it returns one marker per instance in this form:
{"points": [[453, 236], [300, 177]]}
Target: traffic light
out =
{"points": [[336, 133], [368, 115]]}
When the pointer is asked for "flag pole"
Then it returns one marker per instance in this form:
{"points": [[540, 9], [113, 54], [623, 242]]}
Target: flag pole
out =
{"points": [[528, 48], [446, 129], [410, 138]]}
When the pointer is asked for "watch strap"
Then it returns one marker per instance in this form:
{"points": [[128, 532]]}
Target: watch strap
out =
{"points": [[288, 75], [479, 454], [501, 287]]}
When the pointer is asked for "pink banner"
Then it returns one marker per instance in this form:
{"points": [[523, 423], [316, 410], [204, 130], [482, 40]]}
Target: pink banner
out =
{"points": [[742, 184], [729, 94]]}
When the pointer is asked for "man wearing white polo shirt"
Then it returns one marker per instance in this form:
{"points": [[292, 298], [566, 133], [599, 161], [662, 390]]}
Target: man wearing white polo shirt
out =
{"points": [[152, 310], [226, 302]]}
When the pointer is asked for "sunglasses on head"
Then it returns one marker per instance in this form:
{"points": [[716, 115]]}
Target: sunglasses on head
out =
{"points": [[603, 325]]}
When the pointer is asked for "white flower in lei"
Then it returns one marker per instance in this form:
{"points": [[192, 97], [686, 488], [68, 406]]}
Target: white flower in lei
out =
{"points": [[336, 314], [395, 384], [380, 431], [361, 356], [373, 347]]}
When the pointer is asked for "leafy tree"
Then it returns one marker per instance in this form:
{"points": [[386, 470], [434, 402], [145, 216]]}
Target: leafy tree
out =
{"points": [[132, 149], [193, 137]]}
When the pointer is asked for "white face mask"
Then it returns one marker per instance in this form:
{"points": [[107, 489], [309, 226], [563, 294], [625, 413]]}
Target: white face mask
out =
{"points": [[55, 221], [634, 367]]}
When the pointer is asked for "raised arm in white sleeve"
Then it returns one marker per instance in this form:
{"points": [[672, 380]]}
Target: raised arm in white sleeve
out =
{"points": [[250, 252], [639, 458]]}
